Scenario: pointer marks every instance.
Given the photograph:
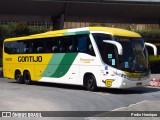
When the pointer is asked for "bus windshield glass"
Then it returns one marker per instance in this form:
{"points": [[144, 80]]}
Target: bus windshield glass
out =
{"points": [[134, 58]]}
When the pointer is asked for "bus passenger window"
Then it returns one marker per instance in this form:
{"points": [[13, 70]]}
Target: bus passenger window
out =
{"points": [[40, 49], [25, 47], [70, 48], [51, 45], [85, 45], [62, 46], [38, 46], [26, 50], [82, 44], [54, 49], [69, 44], [11, 47]]}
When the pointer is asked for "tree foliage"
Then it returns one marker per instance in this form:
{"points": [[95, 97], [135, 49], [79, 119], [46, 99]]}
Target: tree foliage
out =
{"points": [[150, 35], [19, 29]]}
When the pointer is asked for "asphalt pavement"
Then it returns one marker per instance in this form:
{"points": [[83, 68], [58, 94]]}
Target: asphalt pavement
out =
{"points": [[57, 97]]}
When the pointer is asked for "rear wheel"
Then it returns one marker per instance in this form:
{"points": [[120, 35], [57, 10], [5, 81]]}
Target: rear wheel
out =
{"points": [[90, 83], [27, 78], [19, 77]]}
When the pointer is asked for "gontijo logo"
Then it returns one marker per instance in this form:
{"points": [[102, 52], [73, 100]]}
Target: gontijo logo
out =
{"points": [[108, 82], [30, 59]]}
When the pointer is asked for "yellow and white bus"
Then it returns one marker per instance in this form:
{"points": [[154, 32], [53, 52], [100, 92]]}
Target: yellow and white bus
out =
{"points": [[90, 56], [154, 60]]}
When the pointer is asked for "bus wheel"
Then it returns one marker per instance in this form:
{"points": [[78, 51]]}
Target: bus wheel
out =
{"points": [[27, 78], [19, 77], [90, 83]]}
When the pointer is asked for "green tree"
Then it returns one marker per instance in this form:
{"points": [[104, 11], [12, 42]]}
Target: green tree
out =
{"points": [[21, 29], [9, 30]]}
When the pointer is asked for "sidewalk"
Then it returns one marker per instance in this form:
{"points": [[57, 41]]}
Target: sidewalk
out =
{"points": [[138, 108]]}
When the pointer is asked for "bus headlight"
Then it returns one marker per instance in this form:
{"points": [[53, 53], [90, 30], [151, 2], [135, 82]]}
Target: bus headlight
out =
{"points": [[124, 84]]}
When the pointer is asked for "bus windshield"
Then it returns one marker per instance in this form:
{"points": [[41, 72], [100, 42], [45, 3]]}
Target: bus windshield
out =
{"points": [[134, 58]]}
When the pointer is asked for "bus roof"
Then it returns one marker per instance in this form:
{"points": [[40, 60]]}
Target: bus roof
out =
{"points": [[76, 31]]}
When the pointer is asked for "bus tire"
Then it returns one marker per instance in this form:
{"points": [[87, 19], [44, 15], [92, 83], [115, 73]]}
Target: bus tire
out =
{"points": [[27, 78], [19, 77], [90, 82]]}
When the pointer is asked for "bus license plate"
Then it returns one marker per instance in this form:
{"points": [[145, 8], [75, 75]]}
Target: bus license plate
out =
{"points": [[139, 84]]}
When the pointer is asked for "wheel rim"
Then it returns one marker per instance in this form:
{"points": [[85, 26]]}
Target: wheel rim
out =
{"points": [[27, 78], [90, 83], [18, 77]]}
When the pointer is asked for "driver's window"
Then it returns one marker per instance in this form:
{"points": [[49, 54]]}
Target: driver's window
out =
{"points": [[108, 51]]}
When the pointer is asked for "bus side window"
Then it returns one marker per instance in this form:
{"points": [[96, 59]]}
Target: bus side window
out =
{"points": [[69, 44], [82, 44], [38, 46], [7, 47], [25, 47], [51, 45], [11, 47], [85, 45], [60, 48], [62, 45], [108, 53]]}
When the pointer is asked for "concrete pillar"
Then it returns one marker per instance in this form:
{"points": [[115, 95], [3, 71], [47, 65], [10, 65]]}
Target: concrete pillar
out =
{"points": [[58, 22]]}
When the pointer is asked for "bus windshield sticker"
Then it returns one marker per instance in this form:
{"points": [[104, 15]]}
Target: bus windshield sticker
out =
{"points": [[109, 55], [126, 65], [113, 62]]}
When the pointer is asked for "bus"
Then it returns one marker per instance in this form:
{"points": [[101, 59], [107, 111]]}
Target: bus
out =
{"points": [[91, 56], [154, 60]]}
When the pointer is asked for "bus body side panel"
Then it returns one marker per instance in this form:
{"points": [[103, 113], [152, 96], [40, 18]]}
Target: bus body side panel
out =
{"points": [[70, 68], [8, 66], [11, 63], [61, 68], [40, 66], [89, 64]]}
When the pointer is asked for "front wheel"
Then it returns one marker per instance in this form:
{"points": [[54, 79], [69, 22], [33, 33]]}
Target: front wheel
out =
{"points": [[90, 83], [27, 78]]}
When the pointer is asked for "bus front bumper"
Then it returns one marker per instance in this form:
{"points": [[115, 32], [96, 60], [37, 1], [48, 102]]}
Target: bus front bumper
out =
{"points": [[121, 82]]}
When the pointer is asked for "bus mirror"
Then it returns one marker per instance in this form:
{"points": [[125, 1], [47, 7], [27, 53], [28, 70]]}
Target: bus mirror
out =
{"points": [[153, 46], [117, 44]]}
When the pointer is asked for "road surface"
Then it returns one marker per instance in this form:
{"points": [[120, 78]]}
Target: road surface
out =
{"points": [[56, 97]]}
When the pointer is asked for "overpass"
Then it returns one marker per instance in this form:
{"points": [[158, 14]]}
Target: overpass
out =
{"points": [[125, 11]]}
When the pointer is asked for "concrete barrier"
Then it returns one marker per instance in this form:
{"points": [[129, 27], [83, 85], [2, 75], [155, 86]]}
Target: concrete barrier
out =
{"points": [[155, 82]]}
